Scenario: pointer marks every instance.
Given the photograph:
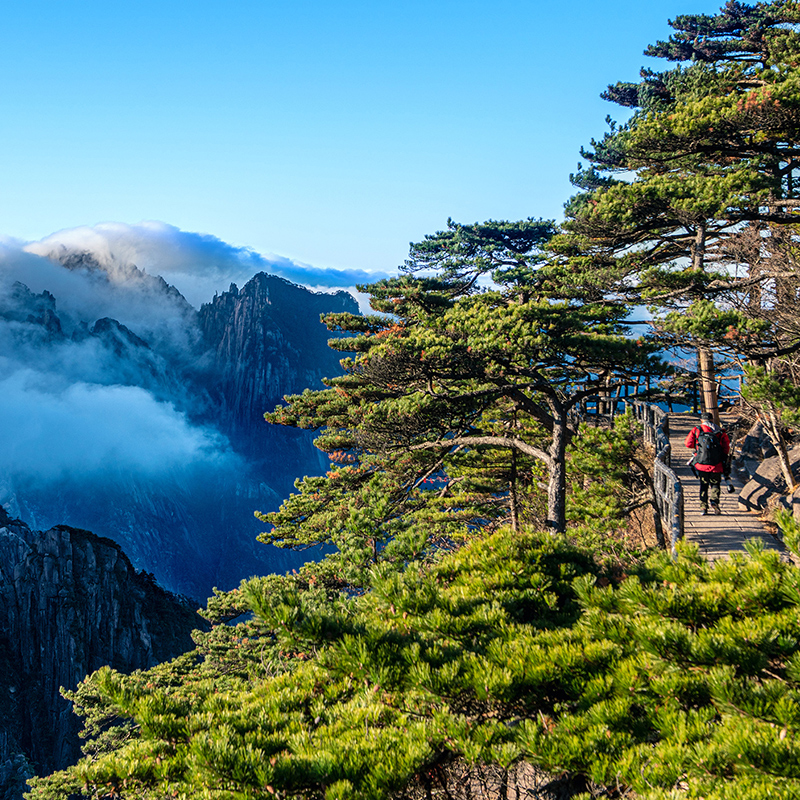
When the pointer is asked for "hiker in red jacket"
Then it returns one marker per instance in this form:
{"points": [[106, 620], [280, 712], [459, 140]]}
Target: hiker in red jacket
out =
{"points": [[711, 447]]}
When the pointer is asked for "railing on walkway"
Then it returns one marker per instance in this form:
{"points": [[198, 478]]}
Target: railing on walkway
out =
{"points": [[666, 485], [656, 429]]}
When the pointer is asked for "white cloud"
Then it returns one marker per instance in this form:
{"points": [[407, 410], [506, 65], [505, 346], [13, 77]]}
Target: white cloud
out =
{"points": [[85, 296], [197, 264], [87, 430]]}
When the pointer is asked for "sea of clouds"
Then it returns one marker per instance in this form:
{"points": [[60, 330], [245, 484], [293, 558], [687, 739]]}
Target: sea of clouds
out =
{"points": [[73, 408], [89, 431]]}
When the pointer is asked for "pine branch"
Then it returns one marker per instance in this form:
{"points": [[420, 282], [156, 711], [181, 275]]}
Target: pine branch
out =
{"points": [[491, 441]]}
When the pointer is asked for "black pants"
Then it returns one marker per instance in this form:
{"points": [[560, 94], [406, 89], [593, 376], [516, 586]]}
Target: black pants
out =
{"points": [[709, 487]]}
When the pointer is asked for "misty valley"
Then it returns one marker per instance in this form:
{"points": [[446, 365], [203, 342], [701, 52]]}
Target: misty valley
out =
{"points": [[127, 412]]}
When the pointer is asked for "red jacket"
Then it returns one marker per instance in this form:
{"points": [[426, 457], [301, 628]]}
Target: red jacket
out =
{"points": [[691, 443]]}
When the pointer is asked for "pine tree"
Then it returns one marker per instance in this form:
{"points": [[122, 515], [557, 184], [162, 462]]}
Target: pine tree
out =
{"points": [[456, 367], [673, 678], [712, 147]]}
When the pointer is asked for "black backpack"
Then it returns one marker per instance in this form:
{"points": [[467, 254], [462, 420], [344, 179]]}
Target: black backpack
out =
{"points": [[709, 448]]}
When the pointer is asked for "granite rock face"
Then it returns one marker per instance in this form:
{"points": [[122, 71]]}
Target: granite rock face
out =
{"points": [[756, 447], [70, 602], [266, 340], [768, 482]]}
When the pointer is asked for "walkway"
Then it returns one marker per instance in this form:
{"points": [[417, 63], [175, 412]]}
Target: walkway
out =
{"points": [[716, 536]]}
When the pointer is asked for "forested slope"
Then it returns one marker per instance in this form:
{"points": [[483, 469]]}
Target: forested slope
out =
{"points": [[678, 679]]}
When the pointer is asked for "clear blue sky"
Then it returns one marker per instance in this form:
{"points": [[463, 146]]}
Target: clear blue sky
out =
{"points": [[328, 132]]}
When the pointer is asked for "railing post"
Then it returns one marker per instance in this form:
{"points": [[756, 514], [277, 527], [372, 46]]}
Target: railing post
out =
{"points": [[666, 484]]}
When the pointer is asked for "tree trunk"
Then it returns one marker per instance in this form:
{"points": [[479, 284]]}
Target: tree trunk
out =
{"points": [[774, 431], [512, 492], [661, 540], [754, 294], [708, 381], [705, 359], [557, 485]]}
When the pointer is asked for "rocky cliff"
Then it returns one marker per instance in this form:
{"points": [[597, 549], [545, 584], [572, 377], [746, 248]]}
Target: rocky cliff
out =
{"points": [[266, 340], [70, 602]]}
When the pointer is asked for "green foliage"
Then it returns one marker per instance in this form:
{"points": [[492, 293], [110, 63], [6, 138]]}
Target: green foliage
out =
{"points": [[756, 33], [507, 251], [677, 680], [790, 531], [455, 407], [777, 392], [704, 320], [606, 482], [705, 158]]}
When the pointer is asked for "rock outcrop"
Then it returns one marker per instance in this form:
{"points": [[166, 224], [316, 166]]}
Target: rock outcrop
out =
{"points": [[755, 448], [768, 483], [266, 340], [70, 602]]}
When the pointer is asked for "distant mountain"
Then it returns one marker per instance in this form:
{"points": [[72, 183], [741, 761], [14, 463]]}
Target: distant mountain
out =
{"points": [[265, 340], [125, 411]]}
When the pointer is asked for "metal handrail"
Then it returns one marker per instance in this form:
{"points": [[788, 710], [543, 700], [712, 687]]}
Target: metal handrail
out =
{"points": [[667, 487]]}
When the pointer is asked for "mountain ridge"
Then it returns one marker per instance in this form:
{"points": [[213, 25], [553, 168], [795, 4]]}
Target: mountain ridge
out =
{"points": [[206, 376]]}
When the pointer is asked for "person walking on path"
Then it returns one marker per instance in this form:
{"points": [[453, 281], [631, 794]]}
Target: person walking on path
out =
{"points": [[711, 447]]}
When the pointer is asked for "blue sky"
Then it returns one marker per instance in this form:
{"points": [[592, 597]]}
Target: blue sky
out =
{"points": [[329, 133]]}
